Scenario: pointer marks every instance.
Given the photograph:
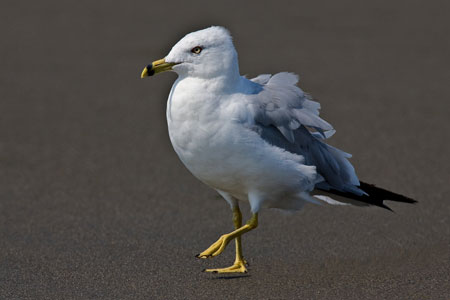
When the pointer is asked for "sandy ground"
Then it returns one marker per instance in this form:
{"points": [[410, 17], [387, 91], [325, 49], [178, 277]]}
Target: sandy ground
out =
{"points": [[94, 203]]}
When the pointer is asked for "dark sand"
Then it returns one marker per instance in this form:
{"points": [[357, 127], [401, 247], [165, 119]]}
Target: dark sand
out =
{"points": [[94, 203]]}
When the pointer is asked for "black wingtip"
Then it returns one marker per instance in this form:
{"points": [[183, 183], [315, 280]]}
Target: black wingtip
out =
{"points": [[383, 194], [375, 196], [387, 207]]}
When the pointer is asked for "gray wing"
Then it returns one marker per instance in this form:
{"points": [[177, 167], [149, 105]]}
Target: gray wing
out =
{"points": [[288, 118], [282, 104]]}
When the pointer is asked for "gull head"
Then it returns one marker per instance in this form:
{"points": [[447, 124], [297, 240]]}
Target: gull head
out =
{"points": [[206, 54]]}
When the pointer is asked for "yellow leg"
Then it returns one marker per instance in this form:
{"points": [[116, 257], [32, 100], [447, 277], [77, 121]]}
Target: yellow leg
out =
{"points": [[218, 247], [237, 221]]}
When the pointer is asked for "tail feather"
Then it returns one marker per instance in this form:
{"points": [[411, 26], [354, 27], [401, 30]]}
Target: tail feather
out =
{"points": [[375, 196]]}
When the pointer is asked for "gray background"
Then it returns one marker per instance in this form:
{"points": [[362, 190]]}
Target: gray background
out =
{"points": [[94, 203]]}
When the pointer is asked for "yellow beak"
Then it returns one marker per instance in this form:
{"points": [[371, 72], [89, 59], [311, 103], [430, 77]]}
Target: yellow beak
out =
{"points": [[156, 67]]}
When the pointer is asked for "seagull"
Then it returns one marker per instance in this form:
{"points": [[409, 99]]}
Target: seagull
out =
{"points": [[257, 140]]}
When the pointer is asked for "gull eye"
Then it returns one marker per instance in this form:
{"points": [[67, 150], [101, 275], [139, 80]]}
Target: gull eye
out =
{"points": [[196, 50]]}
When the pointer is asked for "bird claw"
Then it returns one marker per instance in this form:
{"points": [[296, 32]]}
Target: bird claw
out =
{"points": [[216, 248], [237, 267]]}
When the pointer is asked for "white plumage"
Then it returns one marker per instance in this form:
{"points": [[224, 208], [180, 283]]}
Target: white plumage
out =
{"points": [[258, 140], [244, 137]]}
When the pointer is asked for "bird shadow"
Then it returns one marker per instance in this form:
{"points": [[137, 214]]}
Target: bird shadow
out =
{"points": [[231, 277]]}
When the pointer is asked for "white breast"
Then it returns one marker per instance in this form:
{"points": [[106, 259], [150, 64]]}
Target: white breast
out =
{"points": [[209, 134], [199, 133]]}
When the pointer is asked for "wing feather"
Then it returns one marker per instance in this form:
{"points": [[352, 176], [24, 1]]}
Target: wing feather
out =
{"points": [[284, 105], [282, 115]]}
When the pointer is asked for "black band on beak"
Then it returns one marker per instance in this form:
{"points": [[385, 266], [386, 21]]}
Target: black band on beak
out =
{"points": [[150, 70]]}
